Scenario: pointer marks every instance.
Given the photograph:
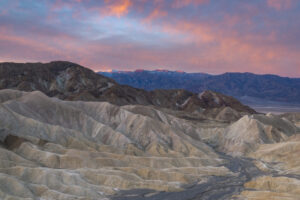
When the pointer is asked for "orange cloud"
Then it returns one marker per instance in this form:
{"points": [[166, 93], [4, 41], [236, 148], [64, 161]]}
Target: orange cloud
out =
{"points": [[117, 8]]}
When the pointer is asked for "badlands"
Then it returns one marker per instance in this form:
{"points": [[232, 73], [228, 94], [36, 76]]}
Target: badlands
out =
{"points": [[63, 141]]}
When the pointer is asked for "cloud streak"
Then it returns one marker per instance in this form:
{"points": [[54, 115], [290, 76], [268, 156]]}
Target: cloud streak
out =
{"points": [[192, 35]]}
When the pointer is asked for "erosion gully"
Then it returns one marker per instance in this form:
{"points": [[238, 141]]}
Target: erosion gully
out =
{"points": [[217, 187]]}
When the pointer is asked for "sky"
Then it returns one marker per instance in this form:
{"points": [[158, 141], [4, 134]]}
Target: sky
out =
{"points": [[212, 36]]}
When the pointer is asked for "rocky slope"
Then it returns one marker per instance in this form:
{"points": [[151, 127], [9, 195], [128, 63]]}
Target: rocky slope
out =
{"points": [[55, 149], [250, 132], [69, 81]]}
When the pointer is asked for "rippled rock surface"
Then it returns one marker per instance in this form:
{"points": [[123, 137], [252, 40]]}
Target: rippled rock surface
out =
{"points": [[55, 149]]}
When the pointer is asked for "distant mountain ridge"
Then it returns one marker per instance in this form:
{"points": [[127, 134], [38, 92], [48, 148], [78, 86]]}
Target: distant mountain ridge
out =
{"points": [[154, 79], [239, 85]]}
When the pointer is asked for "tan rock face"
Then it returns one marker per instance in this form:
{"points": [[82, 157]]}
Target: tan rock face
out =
{"points": [[249, 132], [267, 187], [54, 149], [280, 157], [284, 156]]}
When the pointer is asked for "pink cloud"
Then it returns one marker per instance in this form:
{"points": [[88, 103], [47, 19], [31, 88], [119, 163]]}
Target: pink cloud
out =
{"points": [[155, 14], [280, 4]]}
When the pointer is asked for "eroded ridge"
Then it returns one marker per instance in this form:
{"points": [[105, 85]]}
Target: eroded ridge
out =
{"points": [[55, 149]]}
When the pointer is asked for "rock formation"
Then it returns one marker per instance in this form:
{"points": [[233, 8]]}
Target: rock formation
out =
{"points": [[59, 149], [68, 133]]}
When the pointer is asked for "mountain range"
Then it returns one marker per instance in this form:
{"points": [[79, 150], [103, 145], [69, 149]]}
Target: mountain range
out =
{"points": [[244, 86]]}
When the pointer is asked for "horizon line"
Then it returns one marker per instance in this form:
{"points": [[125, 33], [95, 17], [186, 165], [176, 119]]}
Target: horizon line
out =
{"points": [[155, 69]]}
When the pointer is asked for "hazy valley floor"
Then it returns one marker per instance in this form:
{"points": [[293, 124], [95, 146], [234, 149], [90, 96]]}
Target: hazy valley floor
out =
{"points": [[276, 109]]}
